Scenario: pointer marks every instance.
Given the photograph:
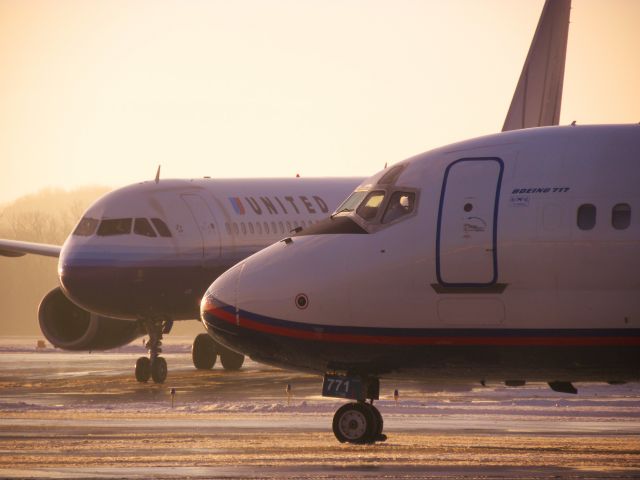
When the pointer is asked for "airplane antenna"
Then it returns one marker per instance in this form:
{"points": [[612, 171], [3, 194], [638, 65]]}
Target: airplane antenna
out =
{"points": [[385, 165], [573, 124], [158, 175]]}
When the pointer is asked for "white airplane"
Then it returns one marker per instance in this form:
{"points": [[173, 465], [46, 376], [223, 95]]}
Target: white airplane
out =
{"points": [[512, 257], [142, 256]]}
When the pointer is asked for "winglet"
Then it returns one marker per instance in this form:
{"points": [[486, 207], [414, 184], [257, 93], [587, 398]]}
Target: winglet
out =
{"points": [[538, 96]]}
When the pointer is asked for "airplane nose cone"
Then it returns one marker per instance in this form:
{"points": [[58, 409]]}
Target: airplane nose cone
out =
{"points": [[96, 279], [82, 278], [218, 304], [282, 291]]}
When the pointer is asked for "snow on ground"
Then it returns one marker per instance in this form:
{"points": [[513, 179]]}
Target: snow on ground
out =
{"points": [[65, 414]]}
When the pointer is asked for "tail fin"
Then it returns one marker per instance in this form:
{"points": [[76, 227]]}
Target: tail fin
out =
{"points": [[538, 96]]}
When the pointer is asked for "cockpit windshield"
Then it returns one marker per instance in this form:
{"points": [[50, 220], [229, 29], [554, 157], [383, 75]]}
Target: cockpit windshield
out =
{"points": [[350, 204], [368, 209], [108, 227], [381, 206], [86, 227], [115, 226]]}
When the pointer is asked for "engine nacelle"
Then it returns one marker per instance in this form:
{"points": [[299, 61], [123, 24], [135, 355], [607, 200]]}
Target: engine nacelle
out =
{"points": [[69, 327]]}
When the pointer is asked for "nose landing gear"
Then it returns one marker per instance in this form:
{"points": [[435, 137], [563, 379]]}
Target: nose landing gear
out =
{"points": [[356, 422], [154, 367]]}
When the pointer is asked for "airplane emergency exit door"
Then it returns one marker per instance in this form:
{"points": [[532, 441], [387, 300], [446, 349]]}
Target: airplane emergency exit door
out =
{"points": [[466, 238]]}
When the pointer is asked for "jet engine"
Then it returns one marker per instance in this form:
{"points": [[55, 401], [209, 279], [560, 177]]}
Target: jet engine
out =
{"points": [[69, 327]]}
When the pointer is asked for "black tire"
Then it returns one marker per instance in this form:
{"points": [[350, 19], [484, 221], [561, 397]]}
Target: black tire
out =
{"points": [[204, 351], [354, 423], [159, 370], [231, 360], [378, 419], [143, 369]]}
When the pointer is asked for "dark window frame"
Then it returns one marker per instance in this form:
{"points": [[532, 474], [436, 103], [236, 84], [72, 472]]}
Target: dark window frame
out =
{"points": [[142, 226], [111, 227], [86, 227], [621, 216], [586, 216], [161, 227]]}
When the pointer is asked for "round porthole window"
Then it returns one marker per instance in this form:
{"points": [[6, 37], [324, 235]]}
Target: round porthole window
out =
{"points": [[302, 301], [468, 207]]}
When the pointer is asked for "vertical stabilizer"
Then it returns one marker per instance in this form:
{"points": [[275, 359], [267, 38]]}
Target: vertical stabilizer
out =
{"points": [[538, 96]]}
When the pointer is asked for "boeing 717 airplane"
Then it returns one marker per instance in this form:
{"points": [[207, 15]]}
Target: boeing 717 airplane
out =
{"points": [[512, 257], [142, 256]]}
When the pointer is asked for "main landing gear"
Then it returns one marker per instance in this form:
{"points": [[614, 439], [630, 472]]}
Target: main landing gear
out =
{"points": [[205, 350], [356, 422], [154, 367]]}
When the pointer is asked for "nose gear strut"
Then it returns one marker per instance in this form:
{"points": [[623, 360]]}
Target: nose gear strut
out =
{"points": [[155, 366]]}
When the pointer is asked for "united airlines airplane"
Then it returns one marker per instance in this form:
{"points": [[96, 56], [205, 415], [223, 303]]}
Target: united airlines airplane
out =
{"points": [[142, 256]]}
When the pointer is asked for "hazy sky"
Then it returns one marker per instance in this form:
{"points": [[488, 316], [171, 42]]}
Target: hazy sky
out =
{"points": [[104, 91]]}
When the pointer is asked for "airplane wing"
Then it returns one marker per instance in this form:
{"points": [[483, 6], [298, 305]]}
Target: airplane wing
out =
{"points": [[538, 96], [15, 248]]}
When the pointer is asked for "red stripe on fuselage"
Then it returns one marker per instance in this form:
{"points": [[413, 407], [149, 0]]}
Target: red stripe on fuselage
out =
{"points": [[421, 340]]}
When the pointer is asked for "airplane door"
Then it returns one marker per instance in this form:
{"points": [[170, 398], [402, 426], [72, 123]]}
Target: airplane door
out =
{"points": [[206, 224], [466, 249]]}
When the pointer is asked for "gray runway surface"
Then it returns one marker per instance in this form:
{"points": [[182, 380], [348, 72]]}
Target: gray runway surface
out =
{"points": [[79, 415]]}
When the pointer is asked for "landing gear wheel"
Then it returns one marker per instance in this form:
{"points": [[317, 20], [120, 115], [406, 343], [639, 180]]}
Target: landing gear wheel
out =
{"points": [[143, 369], [231, 360], [203, 352], [159, 370], [355, 423], [378, 436]]}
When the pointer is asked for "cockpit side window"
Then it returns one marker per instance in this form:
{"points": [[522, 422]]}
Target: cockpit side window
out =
{"points": [[115, 226], [369, 207], [141, 226], [86, 227], [400, 204], [161, 227]]}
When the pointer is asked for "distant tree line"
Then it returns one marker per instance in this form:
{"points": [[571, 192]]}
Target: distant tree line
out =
{"points": [[45, 217]]}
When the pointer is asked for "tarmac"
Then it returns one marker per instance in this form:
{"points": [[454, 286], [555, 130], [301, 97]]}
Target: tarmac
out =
{"points": [[83, 415]]}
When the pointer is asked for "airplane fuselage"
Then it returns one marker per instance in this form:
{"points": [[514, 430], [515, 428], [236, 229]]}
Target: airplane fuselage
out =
{"points": [[150, 250], [516, 257]]}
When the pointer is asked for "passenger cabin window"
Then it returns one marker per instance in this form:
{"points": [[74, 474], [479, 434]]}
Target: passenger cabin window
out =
{"points": [[621, 216], [369, 207], [86, 227], [141, 226], [115, 226], [586, 216], [400, 204], [161, 227]]}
